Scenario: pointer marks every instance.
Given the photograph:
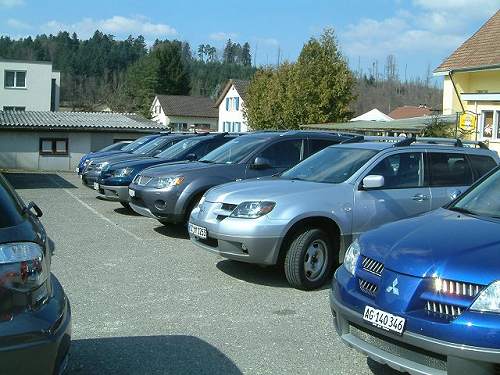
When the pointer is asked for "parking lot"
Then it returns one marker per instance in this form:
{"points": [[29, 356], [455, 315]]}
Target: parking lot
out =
{"points": [[146, 301]]}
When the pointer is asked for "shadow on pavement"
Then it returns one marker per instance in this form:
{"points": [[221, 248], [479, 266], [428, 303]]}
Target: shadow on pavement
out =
{"points": [[255, 274], [148, 355], [380, 369], [126, 211], [37, 181], [174, 231]]}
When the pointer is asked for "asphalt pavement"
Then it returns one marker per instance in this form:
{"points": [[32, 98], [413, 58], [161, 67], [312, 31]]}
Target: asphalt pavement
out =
{"points": [[146, 301]]}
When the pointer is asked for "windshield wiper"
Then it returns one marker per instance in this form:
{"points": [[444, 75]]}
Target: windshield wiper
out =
{"points": [[206, 161], [462, 210]]}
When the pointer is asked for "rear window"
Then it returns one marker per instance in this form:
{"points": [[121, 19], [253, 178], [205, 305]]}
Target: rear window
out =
{"points": [[10, 205], [449, 169], [481, 165]]}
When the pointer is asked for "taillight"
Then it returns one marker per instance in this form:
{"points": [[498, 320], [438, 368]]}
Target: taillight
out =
{"points": [[24, 271]]}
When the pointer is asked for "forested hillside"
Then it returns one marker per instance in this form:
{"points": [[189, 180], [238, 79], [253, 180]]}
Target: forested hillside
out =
{"points": [[124, 74]]}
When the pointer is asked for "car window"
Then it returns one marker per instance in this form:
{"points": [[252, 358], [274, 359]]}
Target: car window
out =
{"points": [[481, 165], [283, 154], [400, 171], [449, 169], [316, 145], [179, 148], [11, 207], [151, 147], [234, 151], [331, 165], [136, 144]]}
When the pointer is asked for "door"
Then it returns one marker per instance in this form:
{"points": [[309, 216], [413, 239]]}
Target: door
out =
{"points": [[450, 175], [279, 156], [402, 195]]}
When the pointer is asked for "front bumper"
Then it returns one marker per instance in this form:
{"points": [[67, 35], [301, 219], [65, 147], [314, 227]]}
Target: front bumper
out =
{"points": [[115, 193], [89, 178], [410, 352], [38, 342], [160, 204], [247, 240]]}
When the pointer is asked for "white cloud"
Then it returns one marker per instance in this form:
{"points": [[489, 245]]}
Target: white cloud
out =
{"points": [[270, 41], [116, 25], [11, 3], [460, 8], [16, 24], [222, 36]]}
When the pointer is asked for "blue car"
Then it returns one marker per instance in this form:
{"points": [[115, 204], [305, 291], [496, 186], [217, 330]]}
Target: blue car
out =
{"points": [[128, 148], [422, 295], [115, 179]]}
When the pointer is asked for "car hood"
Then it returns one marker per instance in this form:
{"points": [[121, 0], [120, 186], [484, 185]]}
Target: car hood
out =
{"points": [[141, 162], [442, 243], [95, 155], [186, 167]]}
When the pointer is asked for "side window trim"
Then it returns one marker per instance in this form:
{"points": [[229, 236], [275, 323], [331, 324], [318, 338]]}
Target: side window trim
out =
{"points": [[275, 142]]}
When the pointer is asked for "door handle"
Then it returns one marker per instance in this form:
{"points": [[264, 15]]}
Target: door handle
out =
{"points": [[420, 197]]}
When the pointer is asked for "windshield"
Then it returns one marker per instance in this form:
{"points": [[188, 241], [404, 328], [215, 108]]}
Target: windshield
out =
{"points": [[332, 165], [151, 146], [483, 200], [136, 144], [233, 151], [178, 148]]}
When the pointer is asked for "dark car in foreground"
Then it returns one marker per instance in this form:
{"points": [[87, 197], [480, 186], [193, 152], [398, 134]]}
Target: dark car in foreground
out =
{"points": [[114, 181], [169, 192], [423, 295], [131, 147], [35, 315]]}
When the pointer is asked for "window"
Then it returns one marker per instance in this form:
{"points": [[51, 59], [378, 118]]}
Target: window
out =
{"points": [[283, 153], [487, 124], [481, 165], [15, 79], [233, 104], [9, 108], [53, 146], [400, 171], [226, 126], [179, 126], [236, 128], [449, 169]]}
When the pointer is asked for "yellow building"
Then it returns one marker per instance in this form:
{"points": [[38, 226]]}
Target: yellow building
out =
{"points": [[472, 82]]}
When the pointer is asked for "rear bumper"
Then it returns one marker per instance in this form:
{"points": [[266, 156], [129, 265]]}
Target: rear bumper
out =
{"points": [[38, 342], [411, 352]]}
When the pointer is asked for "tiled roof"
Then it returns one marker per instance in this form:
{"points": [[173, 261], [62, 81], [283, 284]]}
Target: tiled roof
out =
{"points": [[481, 50], [188, 106], [239, 84], [75, 120], [409, 111]]}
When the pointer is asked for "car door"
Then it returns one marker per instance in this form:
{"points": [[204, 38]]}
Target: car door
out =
{"points": [[450, 175], [279, 155], [402, 195]]}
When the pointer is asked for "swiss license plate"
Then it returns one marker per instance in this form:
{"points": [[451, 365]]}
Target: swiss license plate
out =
{"points": [[384, 320], [131, 192], [96, 186], [198, 231]]}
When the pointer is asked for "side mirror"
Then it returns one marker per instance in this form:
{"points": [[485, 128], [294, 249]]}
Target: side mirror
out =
{"points": [[31, 206], [455, 194], [191, 157], [373, 181], [261, 163]]}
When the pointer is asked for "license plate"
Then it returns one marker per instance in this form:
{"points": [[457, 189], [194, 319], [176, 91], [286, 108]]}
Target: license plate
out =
{"points": [[81, 177], [77, 169], [198, 231], [384, 320], [96, 186], [131, 192]]}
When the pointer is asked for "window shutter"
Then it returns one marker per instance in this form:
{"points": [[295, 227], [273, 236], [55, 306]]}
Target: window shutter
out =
{"points": [[227, 104], [237, 104]]}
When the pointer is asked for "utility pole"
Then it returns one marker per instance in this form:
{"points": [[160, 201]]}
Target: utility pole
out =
{"points": [[279, 55]]}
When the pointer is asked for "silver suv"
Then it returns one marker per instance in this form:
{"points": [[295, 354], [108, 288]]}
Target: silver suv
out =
{"points": [[306, 217]]}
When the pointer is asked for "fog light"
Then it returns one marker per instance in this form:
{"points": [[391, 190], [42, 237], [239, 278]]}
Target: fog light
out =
{"points": [[160, 204]]}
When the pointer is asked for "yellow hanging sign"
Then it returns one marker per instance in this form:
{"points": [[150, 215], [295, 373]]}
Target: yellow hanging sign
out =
{"points": [[468, 122]]}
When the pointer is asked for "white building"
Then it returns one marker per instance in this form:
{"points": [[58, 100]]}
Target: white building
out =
{"points": [[231, 104], [28, 86], [373, 115], [184, 113]]}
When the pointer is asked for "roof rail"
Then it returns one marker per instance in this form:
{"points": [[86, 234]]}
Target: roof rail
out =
{"points": [[451, 141], [355, 139], [221, 135]]}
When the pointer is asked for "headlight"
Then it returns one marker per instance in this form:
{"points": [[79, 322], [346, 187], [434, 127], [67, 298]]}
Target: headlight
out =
{"points": [[101, 166], [164, 182], [489, 299], [252, 210], [122, 172], [352, 256]]}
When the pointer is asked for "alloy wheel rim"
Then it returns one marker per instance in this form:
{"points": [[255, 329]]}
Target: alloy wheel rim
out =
{"points": [[315, 260]]}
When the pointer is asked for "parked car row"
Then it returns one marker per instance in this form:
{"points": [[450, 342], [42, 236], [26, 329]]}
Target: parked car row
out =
{"points": [[295, 199]]}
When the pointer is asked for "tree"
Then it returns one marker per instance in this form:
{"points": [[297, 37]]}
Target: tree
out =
{"points": [[228, 54], [318, 88], [439, 128], [246, 58], [173, 75]]}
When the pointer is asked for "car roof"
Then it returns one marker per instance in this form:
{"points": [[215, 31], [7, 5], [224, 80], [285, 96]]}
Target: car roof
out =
{"points": [[271, 134]]}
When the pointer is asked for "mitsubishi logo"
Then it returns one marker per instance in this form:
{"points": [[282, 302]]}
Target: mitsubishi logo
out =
{"points": [[393, 288]]}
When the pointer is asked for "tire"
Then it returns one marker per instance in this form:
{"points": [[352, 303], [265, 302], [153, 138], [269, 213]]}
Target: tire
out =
{"points": [[190, 208], [309, 259], [126, 205]]}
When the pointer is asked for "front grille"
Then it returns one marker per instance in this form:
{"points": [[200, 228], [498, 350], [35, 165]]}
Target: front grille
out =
{"points": [[367, 287], [456, 288], [225, 210], [228, 207], [372, 266], [400, 349], [443, 309]]}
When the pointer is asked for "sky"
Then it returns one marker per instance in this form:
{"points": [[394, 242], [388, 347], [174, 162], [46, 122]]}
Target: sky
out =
{"points": [[419, 33]]}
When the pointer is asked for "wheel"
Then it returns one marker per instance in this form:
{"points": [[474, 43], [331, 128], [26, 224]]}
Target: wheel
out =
{"points": [[125, 205], [191, 207], [309, 259]]}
